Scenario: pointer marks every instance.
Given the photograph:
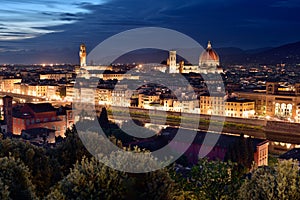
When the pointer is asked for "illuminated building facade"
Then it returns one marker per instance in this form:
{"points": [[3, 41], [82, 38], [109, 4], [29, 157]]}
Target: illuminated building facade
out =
{"points": [[146, 100], [55, 76], [70, 92], [233, 107], [121, 96], [37, 90], [7, 84], [82, 55], [42, 115], [276, 101], [212, 105], [261, 153], [104, 96], [244, 108], [209, 62]]}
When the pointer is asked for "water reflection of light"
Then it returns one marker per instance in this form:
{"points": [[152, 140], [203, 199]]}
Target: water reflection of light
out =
{"points": [[119, 122], [154, 127]]}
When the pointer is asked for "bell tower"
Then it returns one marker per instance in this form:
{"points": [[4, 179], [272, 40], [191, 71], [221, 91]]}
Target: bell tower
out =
{"points": [[272, 88], [172, 62], [82, 55]]}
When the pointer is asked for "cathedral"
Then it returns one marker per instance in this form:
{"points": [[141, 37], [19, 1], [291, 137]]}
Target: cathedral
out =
{"points": [[209, 62]]}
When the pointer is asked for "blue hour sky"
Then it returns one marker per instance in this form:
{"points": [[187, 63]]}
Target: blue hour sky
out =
{"points": [[35, 31]]}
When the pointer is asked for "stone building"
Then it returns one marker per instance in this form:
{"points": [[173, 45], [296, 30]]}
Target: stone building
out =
{"points": [[43, 115], [276, 101], [209, 62], [233, 107]]}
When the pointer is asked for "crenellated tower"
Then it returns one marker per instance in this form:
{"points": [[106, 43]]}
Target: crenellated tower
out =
{"points": [[82, 55]]}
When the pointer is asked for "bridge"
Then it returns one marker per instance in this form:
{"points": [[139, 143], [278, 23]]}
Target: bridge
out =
{"points": [[21, 98]]}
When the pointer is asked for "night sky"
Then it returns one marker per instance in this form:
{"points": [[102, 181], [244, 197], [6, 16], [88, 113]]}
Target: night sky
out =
{"points": [[37, 31]]}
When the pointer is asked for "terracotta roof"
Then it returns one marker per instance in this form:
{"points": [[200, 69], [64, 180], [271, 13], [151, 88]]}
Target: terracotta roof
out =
{"points": [[209, 54]]}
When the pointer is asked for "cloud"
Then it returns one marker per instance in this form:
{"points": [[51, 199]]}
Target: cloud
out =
{"points": [[49, 24], [35, 18]]}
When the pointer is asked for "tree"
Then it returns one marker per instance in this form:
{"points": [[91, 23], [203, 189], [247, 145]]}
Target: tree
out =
{"points": [[90, 179], [153, 185], [279, 182], [103, 119], [42, 167], [241, 152], [15, 180], [4, 192], [261, 185], [211, 180], [69, 151]]}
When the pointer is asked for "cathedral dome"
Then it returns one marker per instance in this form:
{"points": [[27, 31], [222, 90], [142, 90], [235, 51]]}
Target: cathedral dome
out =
{"points": [[209, 56]]}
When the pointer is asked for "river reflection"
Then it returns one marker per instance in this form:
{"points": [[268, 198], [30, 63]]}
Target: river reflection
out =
{"points": [[275, 147]]}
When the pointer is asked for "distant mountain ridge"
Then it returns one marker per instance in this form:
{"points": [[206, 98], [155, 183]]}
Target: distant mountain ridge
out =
{"points": [[289, 54]]}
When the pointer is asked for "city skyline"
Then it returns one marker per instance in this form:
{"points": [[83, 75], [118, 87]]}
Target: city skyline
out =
{"points": [[133, 99], [53, 30]]}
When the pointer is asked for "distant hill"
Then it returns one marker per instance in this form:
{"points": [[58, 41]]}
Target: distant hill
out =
{"points": [[260, 50], [143, 56], [64, 55], [146, 56], [289, 54]]}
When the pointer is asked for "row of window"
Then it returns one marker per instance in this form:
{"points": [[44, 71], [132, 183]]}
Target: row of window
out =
{"points": [[213, 102], [57, 128], [241, 110], [233, 115], [32, 121], [229, 104]]}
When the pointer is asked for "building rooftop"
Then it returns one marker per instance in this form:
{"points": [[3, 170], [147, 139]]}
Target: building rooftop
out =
{"points": [[291, 154], [239, 100], [214, 94], [41, 107], [223, 141]]}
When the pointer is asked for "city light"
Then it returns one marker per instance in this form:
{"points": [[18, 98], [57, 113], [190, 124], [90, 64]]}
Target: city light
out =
{"points": [[209, 109]]}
